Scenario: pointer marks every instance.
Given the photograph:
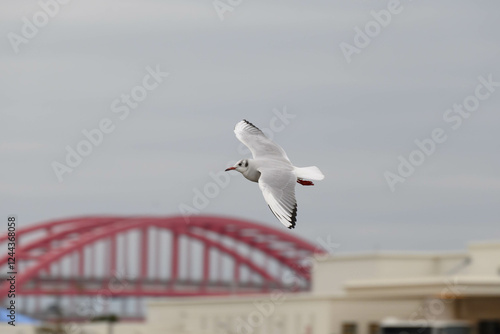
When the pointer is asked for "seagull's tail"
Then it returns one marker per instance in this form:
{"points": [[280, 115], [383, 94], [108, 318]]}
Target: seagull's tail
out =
{"points": [[309, 173]]}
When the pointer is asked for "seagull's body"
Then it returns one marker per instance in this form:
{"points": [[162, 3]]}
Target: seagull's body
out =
{"points": [[274, 172]]}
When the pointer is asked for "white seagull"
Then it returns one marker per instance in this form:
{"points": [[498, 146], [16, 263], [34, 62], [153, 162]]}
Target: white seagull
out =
{"points": [[274, 172]]}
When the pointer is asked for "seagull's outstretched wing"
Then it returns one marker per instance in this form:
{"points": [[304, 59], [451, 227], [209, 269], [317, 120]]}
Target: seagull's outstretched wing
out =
{"points": [[278, 188], [258, 143]]}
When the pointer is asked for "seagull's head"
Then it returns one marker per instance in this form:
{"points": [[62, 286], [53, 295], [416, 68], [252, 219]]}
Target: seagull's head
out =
{"points": [[241, 166]]}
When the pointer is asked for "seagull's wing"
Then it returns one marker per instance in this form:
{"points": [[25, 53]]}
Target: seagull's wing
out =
{"points": [[258, 143], [278, 188]]}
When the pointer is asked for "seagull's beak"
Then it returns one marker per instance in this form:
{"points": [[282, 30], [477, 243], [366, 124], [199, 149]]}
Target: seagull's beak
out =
{"points": [[230, 168]]}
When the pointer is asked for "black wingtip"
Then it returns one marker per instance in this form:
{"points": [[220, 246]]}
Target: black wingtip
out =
{"points": [[294, 217], [251, 124]]}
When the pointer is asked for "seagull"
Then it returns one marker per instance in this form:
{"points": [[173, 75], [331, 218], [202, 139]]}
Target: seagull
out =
{"points": [[274, 172]]}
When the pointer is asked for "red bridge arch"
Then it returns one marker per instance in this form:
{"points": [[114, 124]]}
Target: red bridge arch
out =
{"points": [[156, 256]]}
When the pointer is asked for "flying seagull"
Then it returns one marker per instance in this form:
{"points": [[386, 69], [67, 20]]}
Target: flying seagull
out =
{"points": [[274, 172]]}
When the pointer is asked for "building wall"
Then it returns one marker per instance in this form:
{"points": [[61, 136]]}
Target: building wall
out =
{"points": [[364, 312], [289, 315], [294, 315], [475, 309], [18, 329], [330, 274], [85, 328], [485, 259]]}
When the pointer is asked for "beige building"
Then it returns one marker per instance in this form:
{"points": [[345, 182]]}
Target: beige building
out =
{"points": [[351, 294]]}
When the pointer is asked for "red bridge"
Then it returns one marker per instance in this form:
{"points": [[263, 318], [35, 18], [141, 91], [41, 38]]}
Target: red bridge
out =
{"points": [[61, 263]]}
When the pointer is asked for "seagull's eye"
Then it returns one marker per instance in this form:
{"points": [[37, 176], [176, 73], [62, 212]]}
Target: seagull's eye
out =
{"points": [[239, 164]]}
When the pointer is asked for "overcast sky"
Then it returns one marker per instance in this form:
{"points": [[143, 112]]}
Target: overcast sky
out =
{"points": [[351, 119]]}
